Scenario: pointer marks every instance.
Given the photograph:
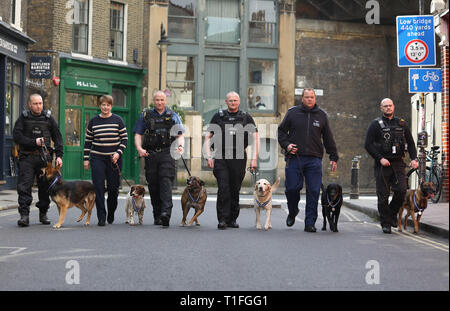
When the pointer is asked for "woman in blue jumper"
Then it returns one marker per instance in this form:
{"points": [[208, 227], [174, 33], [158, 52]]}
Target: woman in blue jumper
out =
{"points": [[106, 140]]}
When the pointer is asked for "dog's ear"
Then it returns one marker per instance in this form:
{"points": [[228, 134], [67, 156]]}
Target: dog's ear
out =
{"points": [[202, 183], [132, 189], [340, 189], [256, 186]]}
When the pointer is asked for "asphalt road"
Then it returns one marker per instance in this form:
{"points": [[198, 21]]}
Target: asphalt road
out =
{"points": [[120, 257]]}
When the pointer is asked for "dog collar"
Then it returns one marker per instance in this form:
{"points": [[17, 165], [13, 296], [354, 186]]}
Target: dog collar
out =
{"points": [[262, 205], [54, 182], [335, 204], [198, 197], [416, 207]]}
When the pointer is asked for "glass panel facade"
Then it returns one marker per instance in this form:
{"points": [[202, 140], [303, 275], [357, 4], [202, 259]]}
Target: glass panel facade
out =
{"points": [[72, 135], [180, 80], [223, 24], [91, 100], [182, 19], [116, 31], [119, 97], [80, 26], [263, 21], [13, 93], [261, 87]]}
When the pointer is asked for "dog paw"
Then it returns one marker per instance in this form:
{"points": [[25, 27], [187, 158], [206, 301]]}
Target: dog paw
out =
{"points": [[267, 227], [86, 224], [259, 227], [56, 226]]}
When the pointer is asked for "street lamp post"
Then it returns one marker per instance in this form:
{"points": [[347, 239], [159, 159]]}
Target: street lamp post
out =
{"points": [[163, 43]]}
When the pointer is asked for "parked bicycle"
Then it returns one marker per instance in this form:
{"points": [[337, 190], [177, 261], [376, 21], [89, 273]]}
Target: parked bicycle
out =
{"points": [[433, 173]]}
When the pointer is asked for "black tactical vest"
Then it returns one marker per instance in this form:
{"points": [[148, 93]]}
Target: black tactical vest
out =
{"points": [[392, 139], [38, 126], [229, 133], [157, 134]]}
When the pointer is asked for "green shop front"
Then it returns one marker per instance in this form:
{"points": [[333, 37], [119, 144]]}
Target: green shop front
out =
{"points": [[82, 83]]}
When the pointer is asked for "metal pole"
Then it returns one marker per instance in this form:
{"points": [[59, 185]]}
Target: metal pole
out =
{"points": [[160, 66], [354, 192]]}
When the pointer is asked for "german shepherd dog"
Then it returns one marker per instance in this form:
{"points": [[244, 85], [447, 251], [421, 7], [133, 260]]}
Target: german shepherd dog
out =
{"points": [[194, 196], [69, 193], [331, 205], [416, 201]]}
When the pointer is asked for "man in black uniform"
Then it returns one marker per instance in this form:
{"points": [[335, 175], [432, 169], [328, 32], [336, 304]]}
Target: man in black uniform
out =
{"points": [[231, 131], [33, 132], [387, 140], [158, 137]]}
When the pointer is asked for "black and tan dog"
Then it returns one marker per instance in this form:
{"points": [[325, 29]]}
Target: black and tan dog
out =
{"points": [[69, 193], [331, 205], [416, 201], [135, 204], [194, 196]]}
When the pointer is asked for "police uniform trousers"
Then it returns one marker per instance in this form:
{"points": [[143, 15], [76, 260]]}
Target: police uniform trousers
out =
{"points": [[299, 169], [30, 166], [159, 173], [394, 177], [229, 174], [103, 169]]}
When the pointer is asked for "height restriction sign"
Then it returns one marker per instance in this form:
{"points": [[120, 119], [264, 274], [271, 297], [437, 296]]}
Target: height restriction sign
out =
{"points": [[415, 41]]}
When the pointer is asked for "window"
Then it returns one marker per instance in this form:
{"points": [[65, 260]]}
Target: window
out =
{"points": [[13, 93], [119, 97], [261, 87], [16, 8], [262, 22], [182, 19], [223, 23], [180, 80], [80, 28], [116, 31]]}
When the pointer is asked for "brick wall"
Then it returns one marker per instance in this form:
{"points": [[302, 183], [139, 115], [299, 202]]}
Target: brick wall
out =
{"points": [[445, 122], [355, 66]]}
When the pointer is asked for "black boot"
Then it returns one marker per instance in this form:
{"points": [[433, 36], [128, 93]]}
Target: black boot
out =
{"points": [[43, 218], [24, 221]]}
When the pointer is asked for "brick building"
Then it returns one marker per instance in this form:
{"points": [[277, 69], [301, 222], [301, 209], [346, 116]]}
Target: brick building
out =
{"points": [[96, 47]]}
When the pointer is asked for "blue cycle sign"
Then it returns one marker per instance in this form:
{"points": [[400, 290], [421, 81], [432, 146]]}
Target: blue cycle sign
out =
{"points": [[415, 41], [424, 80]]}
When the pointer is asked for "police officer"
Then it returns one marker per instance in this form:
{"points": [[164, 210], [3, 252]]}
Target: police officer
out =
{"points": [[158, 137], [33, 132], [300, 134], [228, 134], [387, 140]]}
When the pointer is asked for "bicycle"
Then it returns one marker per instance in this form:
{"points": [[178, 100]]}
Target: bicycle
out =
{"points": [[433, 173]]}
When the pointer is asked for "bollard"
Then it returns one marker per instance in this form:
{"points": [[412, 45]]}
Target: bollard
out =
{"points": [[354, 192]]}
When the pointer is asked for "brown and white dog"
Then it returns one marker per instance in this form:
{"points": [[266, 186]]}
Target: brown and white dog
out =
{"points": [[194, 196], [416, 201], [263, 200], [69, 193], [135, 204]]}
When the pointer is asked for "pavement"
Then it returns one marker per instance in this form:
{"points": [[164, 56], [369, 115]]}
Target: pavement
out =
{"points": [[435, 219]]}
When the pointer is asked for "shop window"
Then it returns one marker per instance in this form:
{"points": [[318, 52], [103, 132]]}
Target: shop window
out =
{"points": [[261, 86], [116, 31], [80, 26], [180, 80], [73, 122], [223, 22], [262, 22], [13, 93], [120, 98], [74, 99], [91, 101], [182, 21]]}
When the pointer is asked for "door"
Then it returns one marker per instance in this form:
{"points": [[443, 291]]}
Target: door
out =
{"points": [[221, 77]]}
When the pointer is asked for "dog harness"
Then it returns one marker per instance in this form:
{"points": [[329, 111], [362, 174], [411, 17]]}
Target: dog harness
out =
{"points": [[54, 182], [262, 205], [135, 208], [334, 205], [416, 207], [192, 199]]}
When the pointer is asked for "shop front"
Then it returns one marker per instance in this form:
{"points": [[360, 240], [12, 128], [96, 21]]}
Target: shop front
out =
{"points": [[13, 59], [82, 83]]}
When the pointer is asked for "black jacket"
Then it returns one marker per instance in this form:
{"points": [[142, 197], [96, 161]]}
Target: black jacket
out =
{"points": [[307, 128], [29, 144], [373, 137]]}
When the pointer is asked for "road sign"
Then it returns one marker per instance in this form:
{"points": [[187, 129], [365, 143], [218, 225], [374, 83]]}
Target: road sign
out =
{"points": [[424, 80], [416, 45]]}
